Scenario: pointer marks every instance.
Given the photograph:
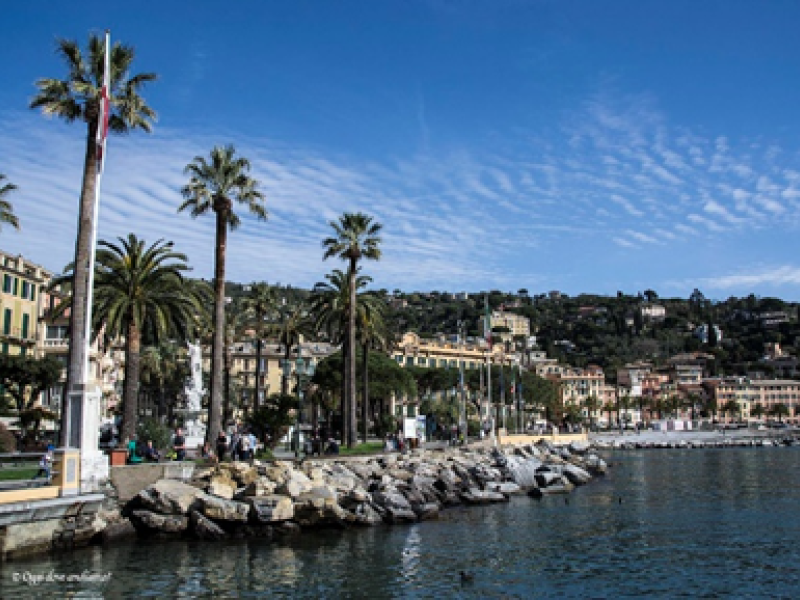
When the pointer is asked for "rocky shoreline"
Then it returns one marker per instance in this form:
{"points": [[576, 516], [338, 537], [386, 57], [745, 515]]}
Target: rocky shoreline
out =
{"points": [[687, 441], [272, 499]]}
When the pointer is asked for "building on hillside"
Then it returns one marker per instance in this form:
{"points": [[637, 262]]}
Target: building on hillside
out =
{"points": [[516, 325], [575, 385], [653, 312], [773, 319], [416, 351], [782, 364], [631, 375], [440, 353], [767, 393], [21, 303], [702, 333]]}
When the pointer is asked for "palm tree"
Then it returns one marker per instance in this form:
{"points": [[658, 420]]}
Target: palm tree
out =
{"points": [[214, 186], [592, 404], [731, 407], [780, 410], [140, 291], [258, 305], [329, 304], [371, 332], [294, 323], [355, 238], [757, 411], [7, 215], [164, 370], [78, 97]]}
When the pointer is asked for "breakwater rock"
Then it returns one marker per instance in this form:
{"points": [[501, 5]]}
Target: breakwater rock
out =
{"points": [[283, 498], [690, 442]]}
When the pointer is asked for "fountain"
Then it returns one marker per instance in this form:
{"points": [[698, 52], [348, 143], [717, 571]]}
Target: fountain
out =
{"points": [[194, 429]]}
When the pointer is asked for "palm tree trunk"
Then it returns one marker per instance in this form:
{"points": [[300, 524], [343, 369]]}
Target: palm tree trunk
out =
{"points": [[351, 356], [257, 398], [71, 414], [226, 402], [287, 354], [345, 387], [365, 391], [131, 395], [218, 344]]}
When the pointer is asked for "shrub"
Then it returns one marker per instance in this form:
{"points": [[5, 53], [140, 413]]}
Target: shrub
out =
{"points": [[386, 424], [153, 429]]}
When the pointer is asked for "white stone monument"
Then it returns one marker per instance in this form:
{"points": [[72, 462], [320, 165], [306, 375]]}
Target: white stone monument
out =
{"points": [[194, 428]]}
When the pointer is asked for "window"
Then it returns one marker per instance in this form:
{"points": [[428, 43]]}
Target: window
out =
{"points": [[7, 284], [26, 290], [16, 286], [25, 321], [7, 321], [56, 332]]}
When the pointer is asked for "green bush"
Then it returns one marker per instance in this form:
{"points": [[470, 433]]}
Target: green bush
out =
{"points": [[152, 429], [386, 424]]}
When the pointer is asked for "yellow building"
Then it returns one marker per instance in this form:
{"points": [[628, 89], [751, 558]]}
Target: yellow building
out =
{"points": [[243, 365], [416, 351], [516, 324], [21, 285]]}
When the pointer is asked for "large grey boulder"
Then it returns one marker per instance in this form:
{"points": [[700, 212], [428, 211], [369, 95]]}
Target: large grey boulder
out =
{"points": [[576, 475], [205, 528], [504, 487], [400, 474], [270, 509], [170, 497], [547, 478], [477, 496], [161, 523], [364, 514], [224, 510], [221, 485], [242, 473], [596, 465], [391, 499], [319, 507], [522, 471], [578, 447], [427, 512]]}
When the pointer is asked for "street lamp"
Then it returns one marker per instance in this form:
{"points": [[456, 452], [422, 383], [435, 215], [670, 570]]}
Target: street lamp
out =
{"points": [[304, 370]]}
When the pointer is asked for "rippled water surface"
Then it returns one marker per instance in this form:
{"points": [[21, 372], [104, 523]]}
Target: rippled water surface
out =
{"points": [[664, 523]]}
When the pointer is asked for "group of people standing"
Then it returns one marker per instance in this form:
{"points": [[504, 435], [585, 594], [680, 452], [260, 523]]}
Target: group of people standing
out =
{"points": [[241, 445]]}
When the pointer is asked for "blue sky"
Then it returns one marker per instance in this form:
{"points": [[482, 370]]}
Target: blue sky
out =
{"points": [[578, 146]]}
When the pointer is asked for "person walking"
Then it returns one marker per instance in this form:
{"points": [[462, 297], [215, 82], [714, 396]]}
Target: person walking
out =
{"points": [[235, 438], [45, 464], [222, 446], [179, 444]]}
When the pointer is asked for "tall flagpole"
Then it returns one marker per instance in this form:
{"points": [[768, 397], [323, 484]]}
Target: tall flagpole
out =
{"points": [[102, 131]]}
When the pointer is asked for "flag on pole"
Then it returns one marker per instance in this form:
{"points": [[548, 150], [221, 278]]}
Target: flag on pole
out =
{"points": [[104, 108]]}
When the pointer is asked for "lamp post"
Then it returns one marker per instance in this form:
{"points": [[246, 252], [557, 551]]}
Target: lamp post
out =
{"points": [[304, 369]]}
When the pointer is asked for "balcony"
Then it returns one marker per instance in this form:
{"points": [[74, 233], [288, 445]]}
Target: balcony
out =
{"points": [[15, 333], [56, 343]]}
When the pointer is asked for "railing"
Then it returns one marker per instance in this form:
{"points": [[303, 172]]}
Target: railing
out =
{"points": [[16, 469], [16, 333], [56, 343]]}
